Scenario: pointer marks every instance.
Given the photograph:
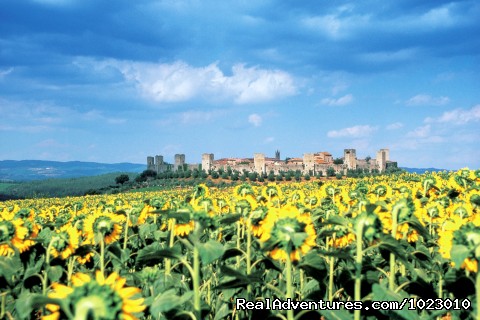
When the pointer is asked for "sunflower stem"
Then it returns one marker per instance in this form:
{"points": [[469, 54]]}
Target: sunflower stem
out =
{"points": [[2, 308], [249, 253], [71, 264], [289, 294], [330, 278], [358, 268], [168, 262], [196, 284], [238, 242], [391, 278], [47, 267], [102, 255], [125, 237]]}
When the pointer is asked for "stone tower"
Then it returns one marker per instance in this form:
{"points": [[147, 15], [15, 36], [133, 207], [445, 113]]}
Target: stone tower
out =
{"points": [[309, 163], [350, 158], [207, 161], [158, 163], [150, 164], [259, 162], [383, 155], [179, 162], [277, 155]]}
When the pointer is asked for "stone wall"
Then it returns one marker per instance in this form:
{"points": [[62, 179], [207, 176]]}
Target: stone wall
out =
{"points": [[312, 163]]}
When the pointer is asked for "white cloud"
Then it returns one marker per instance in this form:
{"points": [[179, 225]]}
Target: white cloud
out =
{"points": [[179, 81], [255, 119], [458, 116], [338, 25], [420, 132], [4, 73], [394, 126], [389, 56], [194, 116], [427, 100], [342, 101], [269, 140], [353, 132]]}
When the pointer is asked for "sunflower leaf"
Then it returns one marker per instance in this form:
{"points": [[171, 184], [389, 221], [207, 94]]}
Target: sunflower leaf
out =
{"points": [[168, 300], [458, 254], [210, 251], [230, 253], [340, 314], [55, 273], [154, 254], [230, 219]]}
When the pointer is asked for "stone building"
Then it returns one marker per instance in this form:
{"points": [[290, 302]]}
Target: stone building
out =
{"points": [[311, 163]]}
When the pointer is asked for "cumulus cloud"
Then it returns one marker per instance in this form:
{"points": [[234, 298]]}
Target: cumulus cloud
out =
{"points": [[394, 126], [195, 116], [352, 132], [342, 101], [427, 100], [179, 81], [255, 119], [420, 132], [6, 72], [458, 116]]}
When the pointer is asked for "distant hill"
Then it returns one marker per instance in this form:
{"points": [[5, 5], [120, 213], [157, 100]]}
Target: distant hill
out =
{"points": [[422, 170], [28, 170]]}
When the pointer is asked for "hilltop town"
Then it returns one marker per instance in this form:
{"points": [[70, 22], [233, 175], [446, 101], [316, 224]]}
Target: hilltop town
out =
{"points": [[311, 163]]}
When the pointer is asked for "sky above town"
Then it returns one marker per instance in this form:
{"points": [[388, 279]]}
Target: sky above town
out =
{"points": [[117, 81]]}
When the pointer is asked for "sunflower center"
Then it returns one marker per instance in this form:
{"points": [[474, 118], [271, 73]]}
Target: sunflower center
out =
{"points": [[94, 301], [103, 225], [461, 211], [7, 231], [286, 229], [60, 241]]}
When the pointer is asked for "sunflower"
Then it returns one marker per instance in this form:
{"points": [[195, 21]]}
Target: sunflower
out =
{"points": [[258, 222], [99, 298], [243, 189], [12, 235], [64, 242], [290, 233], [183, 229], [468, 238], [108, 224], [201, 191], [272, 192]]}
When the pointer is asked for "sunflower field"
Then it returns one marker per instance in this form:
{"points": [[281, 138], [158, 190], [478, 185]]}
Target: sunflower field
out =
{"points": [[387, 247]]}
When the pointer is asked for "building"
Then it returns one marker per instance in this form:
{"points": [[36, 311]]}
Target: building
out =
{"points": [[311, 163]]}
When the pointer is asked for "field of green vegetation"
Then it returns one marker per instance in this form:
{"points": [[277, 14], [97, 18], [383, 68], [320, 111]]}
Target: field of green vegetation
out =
{"points": [[60, 187]]}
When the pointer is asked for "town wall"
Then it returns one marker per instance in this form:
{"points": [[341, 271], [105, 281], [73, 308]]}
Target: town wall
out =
{"points": [[311, 163]]}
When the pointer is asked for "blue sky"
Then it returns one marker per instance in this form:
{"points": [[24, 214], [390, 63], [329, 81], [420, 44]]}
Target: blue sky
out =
{"points": [[116, 81]]}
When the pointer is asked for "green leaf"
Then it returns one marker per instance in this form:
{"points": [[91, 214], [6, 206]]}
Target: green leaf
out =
{"points": [[55, 273], [154, 254], [23, 306], [382, 293], [10, 267], [230, 253], [146, 231], [314, 265], [222, 312], [416, 225], [240, 280], [458, 254], [230, 219], [210, 251], [168, 300], [341, 314], [336, 220]]}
